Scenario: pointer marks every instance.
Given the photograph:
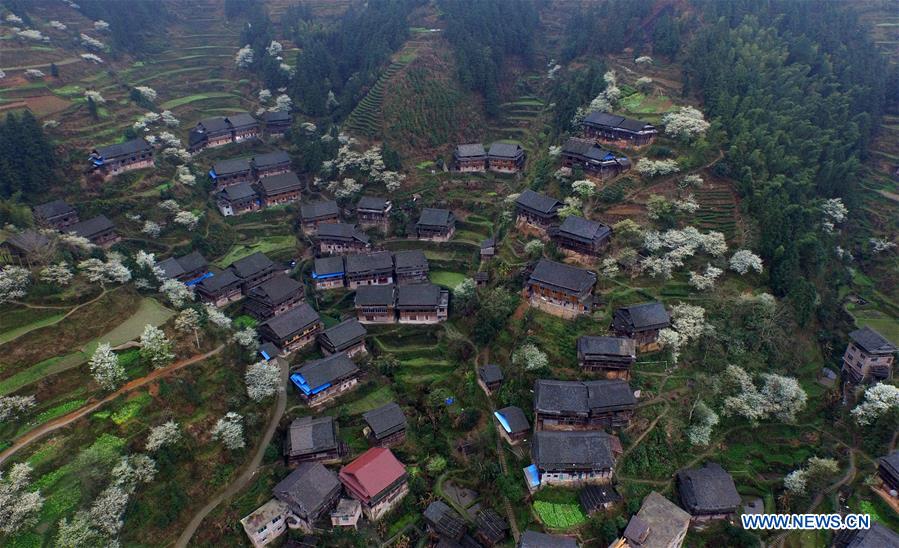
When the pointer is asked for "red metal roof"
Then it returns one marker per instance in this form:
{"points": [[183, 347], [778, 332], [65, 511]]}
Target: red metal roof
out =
{"points": [[372, 472]]}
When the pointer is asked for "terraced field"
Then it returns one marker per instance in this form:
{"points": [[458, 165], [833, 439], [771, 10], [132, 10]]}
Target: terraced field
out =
{"points": [[717, 209], [367, 118]]}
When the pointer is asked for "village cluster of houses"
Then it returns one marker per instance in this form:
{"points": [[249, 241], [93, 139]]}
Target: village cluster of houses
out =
{"points": [[247, 184]]}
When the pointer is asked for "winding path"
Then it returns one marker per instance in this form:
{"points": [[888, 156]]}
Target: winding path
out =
{"points": [[65, 420], [249, 471]]}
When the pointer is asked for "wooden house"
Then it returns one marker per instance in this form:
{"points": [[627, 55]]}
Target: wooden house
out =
{"points": [[385, 425], [582, 405], [422, 303], [292, 330], [612, 128], [119, 158], [537, 210], [505, 158], [888, 470], [570, 459], [560, 289], [270, 163], [339, 238], [243, 126], [707, 492], [481, 279], [56, 214], [312, 439], [273, 297], [376, 304], [99, 231], [318, 213], [443, 522], [488, 248], [869, 356], [189, 269], [582, 236], [876, 536], [217, 131], [373, 212], [592, 158], [470, 158], [220, 289], [410, 266], [436, 225], [328, 272], [347, 513], [347, 336], [266, 523], [255, 269], [659, 523], [310, 492], [492, 529], [29, 246], [377, 480], [231, 171], [319, 381], [596, 498], [238, 199], [490, 377], [533, 539], [369, 269], [611, 356], [641, 322], [512, 424], [277, 123], [279, 189]]}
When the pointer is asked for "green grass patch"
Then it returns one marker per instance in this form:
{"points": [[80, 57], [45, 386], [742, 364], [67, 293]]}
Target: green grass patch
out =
{"points": [[447, 279], [181, 101], [559, 509], [57, 411], [13, 333], [375, 398], [40, 370], [243, 321], [131, 409], [264, 245], [878, 321]]}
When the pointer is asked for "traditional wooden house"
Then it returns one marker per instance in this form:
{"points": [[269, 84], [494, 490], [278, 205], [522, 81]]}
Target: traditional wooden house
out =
{"points": [[411, 266], [268, 352], [28, 246], [318, 213], [537, 210], [482, 278], [99, 231], [270, 163], [444, 522], [470, 157], [490, 377], [888, 470], [488, 248], [189, 269], [347, 513], [309, 492], [641, 322], [348, 336], [373, 212], [708, 492], [422, 303], [386, 425], [436, 225], [322, 380], [582, 405], [573, 458], [243, 126], [659, 524], [338, 238], [869, 356], [376, 304], [512, 424], [560, 289], [876, 536], [217, 131], [369, 269], [220, 289], [592, 158], [492, 529], [533, 539], [277, 123], [328, 272], [611, 356], [232, 171], [266, 523], [119, 158], [582, 236], [505, 158], [596, 498], [238, 199], [292, 330], [56, 214], [255, 269], [312, 439], [612, 128], [279, 189], [273, 297], [377, 480]]}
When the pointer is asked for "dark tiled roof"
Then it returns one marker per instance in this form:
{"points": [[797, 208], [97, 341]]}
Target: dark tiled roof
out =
{"points": [[564, 276], [878, 536], [276, 116], [53, 209], [307, 489], [410, 260], [891, 462], [241, 119], [281, 182], [262, 161], [317, 210], [311, 435], [616, 122], [91, 227], [293, 320], [376, 295], [276, 289], [587, 149], [373, 203], [221, 280], [252, 265], [231, 165], [515, 418], [431, 216], [538, 202], [369, 262], [533, 539], [471, 150], [584, 229], [872, 342], [709, 489], [489, 242], [444, 520], [606, 346], [583, 397], [426, 294], [592, 497], [491, 525], [344, 332], [214, 124], [646, 315], [504, 150], [123, 149], [328, 265], [385, 420], [564, 450], [658, 523], [28, 240], [490, 373], [326, 370], [176, 266], [342, 231], [240, 191], [269, 349]]}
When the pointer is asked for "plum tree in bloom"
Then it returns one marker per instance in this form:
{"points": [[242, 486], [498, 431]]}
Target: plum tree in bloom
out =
{"points": [[14, 19], [244, 57], [58, 25], [14, 282], [105, 367], [79, 533], [702, 421], [14, 406], [879, 400], [464, 293], [187, 219], [133, 470], [655, 168], [780, 397], [265, 95], [247, 338], [573, 206], [176, 292], [283, 103], [687, 205], [151, 229], [31, 34], [744, 260], [185, 177], [688, 320], [107, 510], [530, 357], [169, 119], [834, 213], [706, 280], [608, 268], [164, 435], [816, 470], [94, 96], [879, 245], [169, 205], [101, 25], [274, 49], [92, 58], [217, 318], [229, 430], [263, 380], [643, 60], [672, 341], [690, 181], [188, 321], [796, 482], [344, 188], [685, 123], [33, 74], [92, 43], [584, 188], [534, 248], [644, 84], [155, 347], [20, 505]]}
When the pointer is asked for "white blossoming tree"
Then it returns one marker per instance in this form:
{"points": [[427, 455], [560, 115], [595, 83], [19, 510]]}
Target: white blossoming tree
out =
{"points": [[879, 400], [655, 168], [702, 421], [216, 317], [706, 280], [247, 338], [274, 49], [14, 406], [530, 357], [155, 347], [263, 380], [780, 397], [20, 504], [283, 103], [244, 57], [147, 93], [14, 281], [188, 321], [584, 188], [105, 367], [151, 229], [164, 435], [686, 123], [879, 245], [229, 430], [176, 292], [744, 260], [187, 219], [534, 248]]}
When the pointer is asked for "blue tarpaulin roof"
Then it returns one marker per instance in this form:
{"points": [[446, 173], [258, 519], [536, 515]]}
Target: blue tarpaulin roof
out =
{"points": [[300, 382], [532, 476], [195, 281], [212, 174], [316, 276], [502, 420]]}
